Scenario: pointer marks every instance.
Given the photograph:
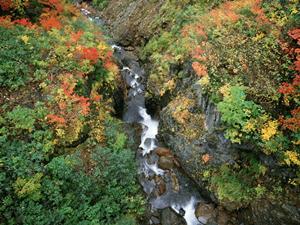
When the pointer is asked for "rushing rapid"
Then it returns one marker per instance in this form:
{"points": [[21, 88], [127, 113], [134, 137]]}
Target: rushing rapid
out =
{"points": [[184, 200]]}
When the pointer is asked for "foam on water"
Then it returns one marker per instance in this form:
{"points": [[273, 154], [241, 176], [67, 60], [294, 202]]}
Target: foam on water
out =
{"points": [[155, 168], [116, 47], [189, 210], [150, 130]]}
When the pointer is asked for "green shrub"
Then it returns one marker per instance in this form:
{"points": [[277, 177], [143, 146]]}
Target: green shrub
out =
{"points": [[16, 58], [100, 4], [38, 189], [236, 113]]}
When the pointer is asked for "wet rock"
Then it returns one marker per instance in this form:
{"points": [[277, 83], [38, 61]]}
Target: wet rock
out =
{"points": [[166, 162], [161, 185], [160, 151], [205, 210], [131, 22], [155, 220], [175, 182], [190, 149], [222, 218], [273, 212], [169, 217]]}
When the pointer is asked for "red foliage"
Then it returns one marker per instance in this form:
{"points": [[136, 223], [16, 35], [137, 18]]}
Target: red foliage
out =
{"points": [[108, 63], [81, 102], [6, 4], [50, 22], [296, 81], [84, 104], [56, 119], [53, 4], [292, 123], [291, 90], [75, 37], [286, 89], [24, 22], [68, 89], [91, 54]]}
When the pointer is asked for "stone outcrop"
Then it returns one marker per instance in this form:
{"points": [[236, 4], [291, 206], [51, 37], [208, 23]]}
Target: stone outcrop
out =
{"points": [[208, 148], [131, 23]]}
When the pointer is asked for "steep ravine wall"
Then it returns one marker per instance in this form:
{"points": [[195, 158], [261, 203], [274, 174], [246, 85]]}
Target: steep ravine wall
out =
{"points": [[131, 23]]}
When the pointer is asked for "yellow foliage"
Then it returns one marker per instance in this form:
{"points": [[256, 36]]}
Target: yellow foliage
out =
{"points": [[292, 158], [225, 90], [29, 187], [25, 39], [98, 127], [269, 130], [204, 81], [169, 85], [181, 113], [102, 47], [249, 127], [258, 37]]}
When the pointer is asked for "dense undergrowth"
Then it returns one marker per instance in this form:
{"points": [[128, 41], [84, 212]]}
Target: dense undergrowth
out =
{"points": [[245, 55], [63, 158]]}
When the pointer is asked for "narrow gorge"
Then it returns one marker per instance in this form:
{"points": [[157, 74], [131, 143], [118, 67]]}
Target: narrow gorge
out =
{"points": [[149, 112]]}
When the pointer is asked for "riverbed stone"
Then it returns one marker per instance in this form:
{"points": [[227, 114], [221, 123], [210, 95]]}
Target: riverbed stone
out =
{"points": [[205, 210], [169, 217], [160, 151], [161, 185], [166, 162], [174, 182]]}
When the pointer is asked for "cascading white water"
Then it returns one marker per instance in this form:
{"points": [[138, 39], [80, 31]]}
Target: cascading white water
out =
{"points": [[148, 140], [189, 210]]}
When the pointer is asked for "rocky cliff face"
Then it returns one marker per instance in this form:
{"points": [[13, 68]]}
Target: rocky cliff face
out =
{"points": [[131, 23], [196, 140]]}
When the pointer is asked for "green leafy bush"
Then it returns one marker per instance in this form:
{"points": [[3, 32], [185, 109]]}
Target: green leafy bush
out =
{"points": [[236, 112]]}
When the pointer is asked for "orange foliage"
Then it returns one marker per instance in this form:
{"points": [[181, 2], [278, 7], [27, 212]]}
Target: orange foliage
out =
{"points": [[206, 158], [75, 37], [50, 22], [96, 98], [56, 119], [5, 21], [197, 54], [197, 29], [256, 8], [199, 69]]}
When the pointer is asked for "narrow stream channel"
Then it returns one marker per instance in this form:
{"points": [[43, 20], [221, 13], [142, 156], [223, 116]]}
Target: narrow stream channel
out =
{"points": [[179, 192]]}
